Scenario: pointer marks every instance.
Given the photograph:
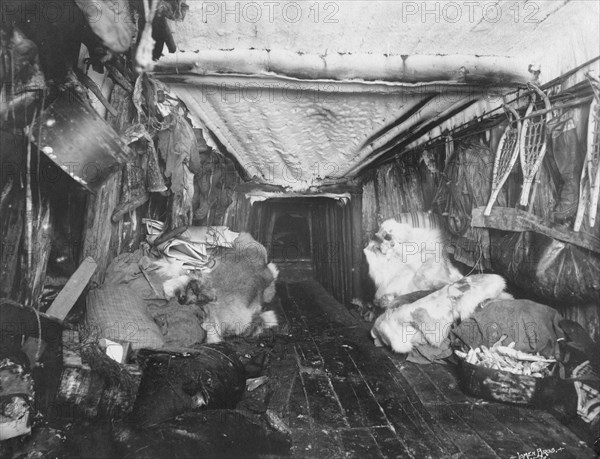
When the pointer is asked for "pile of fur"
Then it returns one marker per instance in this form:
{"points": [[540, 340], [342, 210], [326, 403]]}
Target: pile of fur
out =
{"points": [[403, 259], [428, 320], [422, 293], [232, 294]]}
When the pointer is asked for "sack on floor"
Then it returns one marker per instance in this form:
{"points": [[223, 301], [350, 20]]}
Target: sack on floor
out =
{"points": [[179, 323], [533, 327], [210, 376], [116, 312], [137, 271]]}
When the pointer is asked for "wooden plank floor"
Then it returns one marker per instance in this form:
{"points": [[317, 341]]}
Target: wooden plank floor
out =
{"points": [[344, 398]]}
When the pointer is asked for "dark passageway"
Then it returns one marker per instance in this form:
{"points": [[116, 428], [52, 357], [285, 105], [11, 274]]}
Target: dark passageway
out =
{"points": [[290, 238], [349, 399]]}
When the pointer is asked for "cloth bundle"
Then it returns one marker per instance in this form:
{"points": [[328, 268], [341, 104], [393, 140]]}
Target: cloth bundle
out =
{"points": [[532, 326]]}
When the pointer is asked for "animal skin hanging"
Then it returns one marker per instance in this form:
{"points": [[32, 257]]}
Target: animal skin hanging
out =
{"points": [[589, 189], [533, 143], [506, 155], [143, 54]]}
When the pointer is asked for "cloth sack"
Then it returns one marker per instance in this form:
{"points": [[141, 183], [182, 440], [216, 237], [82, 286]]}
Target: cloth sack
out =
{"points": [[532, 326], [179, 324], [115, 312]]}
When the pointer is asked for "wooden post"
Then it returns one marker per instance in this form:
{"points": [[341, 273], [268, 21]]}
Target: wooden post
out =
{"points": [[33, 282], [72, 290], [12, 204], [357, 245], [99, 227]]}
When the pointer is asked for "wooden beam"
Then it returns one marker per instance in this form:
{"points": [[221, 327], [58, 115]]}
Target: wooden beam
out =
{"points": [[67, 297], [403, 118], [12, 203], [99, 227], [389, 151], [508, 219], [92, 86], [357, 246], [351, 66]]}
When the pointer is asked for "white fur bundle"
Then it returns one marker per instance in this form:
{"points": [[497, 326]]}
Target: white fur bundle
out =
{"points": [[403, 259], [269, 292], [229, 316], [176, 277], [428, 320]]}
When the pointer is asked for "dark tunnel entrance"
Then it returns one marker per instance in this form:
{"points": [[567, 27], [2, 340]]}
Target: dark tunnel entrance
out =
{"points": [[313, 237], [290, 238]]}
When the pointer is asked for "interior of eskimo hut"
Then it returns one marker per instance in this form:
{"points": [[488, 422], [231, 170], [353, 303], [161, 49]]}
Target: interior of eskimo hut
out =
{"points": [[340, 229]]}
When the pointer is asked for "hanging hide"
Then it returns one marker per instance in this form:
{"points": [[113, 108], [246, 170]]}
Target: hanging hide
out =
{"points": [[140, 141], [20, 76], [18, 58], [568, 157], [155, 182], [468, 185], [214, 183], [133, 191], [110, 21], [104, 26], [548, 268], [162, 35], [177, 145], [175, 10]]}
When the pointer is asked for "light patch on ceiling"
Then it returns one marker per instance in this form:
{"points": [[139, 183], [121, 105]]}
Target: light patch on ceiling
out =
{"points": [[305, 94], [299, 135]]}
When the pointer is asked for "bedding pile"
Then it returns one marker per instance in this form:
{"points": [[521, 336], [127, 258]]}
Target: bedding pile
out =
{"points": [[201, 286]]}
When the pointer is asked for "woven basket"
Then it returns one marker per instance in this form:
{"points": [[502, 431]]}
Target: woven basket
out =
{"points": [[504, 386]]}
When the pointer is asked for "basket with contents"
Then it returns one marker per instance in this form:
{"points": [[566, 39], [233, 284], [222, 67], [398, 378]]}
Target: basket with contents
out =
{"points": [[502, 373]]}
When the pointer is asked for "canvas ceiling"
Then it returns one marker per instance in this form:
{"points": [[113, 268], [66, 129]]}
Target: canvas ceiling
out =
{"points": [[309, 93]]}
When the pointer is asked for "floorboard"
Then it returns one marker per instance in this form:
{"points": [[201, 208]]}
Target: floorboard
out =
{"points": [[344, 397]]}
